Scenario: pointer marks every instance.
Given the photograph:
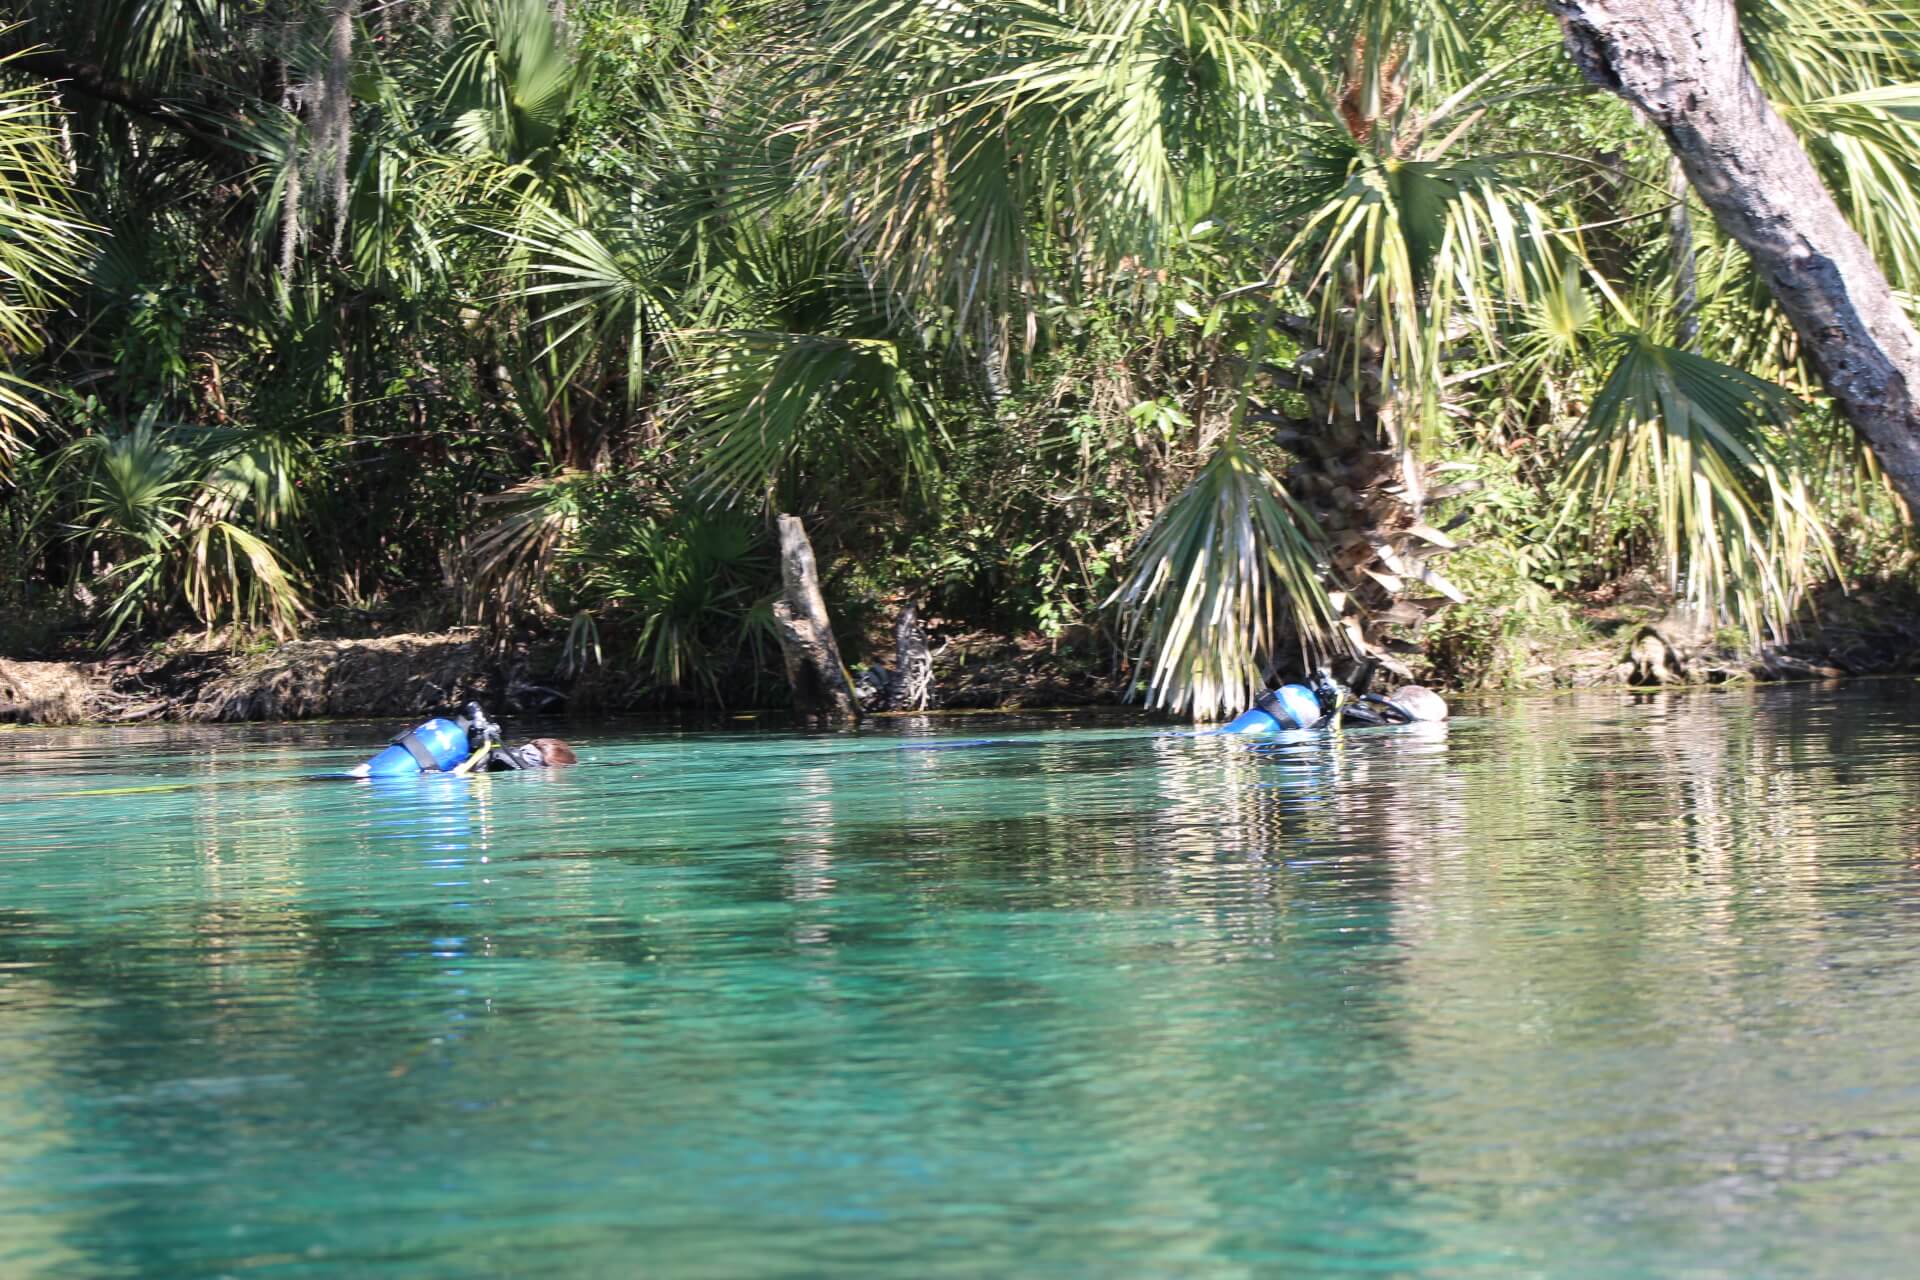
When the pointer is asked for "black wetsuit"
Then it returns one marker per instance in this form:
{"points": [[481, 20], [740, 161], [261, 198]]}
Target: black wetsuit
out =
{"points": [[524, 756], [1372, 709]]}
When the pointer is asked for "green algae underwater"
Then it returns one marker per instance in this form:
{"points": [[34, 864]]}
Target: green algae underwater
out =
{"points": [[1599, 985]]}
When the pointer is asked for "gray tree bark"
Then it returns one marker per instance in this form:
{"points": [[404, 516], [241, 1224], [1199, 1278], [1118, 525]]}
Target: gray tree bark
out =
{"points": [[1684, 64], [814, 669], [1686, 274]]}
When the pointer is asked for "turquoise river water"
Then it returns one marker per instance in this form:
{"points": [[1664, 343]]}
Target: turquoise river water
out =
{"points": [[1594, 986]]}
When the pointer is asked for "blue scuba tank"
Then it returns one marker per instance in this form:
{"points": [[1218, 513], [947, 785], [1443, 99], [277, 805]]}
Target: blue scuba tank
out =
{"points": [[435, 746], [1291, 706]]}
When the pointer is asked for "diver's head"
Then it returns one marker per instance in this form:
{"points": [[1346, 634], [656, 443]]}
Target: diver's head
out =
{"points": [[553, 751], [1419, 703]]}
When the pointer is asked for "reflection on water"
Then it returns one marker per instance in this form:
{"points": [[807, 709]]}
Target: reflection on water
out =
{"points": [[1612, 985]]}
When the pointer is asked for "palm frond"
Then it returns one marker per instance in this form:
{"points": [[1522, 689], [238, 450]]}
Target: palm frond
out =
{"points": [[511, 80], [681, 580], [1740, 533], [505, 562], [940, 133], [161, 515], [1397, 249], [255, 471], [594, 289], [136, 488], [1868, 146], [234, 575], [148, 43], [760, 400], [1226, 579], [43, 241]]}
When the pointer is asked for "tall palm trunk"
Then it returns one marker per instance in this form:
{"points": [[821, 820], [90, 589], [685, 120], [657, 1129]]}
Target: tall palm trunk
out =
{"points": [[1684, 63], [1367, 492]]}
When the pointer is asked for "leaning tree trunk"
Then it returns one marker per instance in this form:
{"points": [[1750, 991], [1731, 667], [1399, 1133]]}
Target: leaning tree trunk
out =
{"points": [[814, 670], [1683, 63]]}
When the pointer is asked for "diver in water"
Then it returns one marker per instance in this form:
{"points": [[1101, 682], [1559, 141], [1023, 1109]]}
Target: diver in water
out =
{"points": [[467, 743], [1323, 701]]}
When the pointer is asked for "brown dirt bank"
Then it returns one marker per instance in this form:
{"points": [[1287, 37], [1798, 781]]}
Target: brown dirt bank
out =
{"points": [[49, 692], [398, 675], [410, 675], [402, 676]]}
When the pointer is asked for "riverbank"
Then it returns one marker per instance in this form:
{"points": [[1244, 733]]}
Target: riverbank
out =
{"points": [[306, 679], [1626, 640], [415, 674]]}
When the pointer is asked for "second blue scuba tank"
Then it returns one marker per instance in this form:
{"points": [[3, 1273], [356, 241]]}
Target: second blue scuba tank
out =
{"points": [[1291, 706], [433, 747]]}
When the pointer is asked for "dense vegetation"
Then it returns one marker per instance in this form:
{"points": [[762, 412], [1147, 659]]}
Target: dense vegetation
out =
{"points": [[1216, 328]]}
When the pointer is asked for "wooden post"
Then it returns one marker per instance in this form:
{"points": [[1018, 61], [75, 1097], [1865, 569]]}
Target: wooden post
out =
{"points": [[814, 669]]}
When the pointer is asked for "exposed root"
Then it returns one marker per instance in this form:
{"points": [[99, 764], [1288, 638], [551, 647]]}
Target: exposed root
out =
{"points": [[49, 693]]}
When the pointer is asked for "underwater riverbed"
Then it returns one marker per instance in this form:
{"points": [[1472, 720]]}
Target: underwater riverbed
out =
{"points": [[1604, 985]]}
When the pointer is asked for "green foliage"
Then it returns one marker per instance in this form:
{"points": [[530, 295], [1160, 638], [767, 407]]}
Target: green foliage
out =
{"points": [[1006, 124], [1694, 433], [533, 315], [1525, 571], [43, 240], [509, 555], [159, 513], [510, 80], [676, 595], [762, 401], [686, 587]]}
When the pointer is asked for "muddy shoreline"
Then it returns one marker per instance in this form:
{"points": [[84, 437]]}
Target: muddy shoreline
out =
{"points": [[400, 676], [415, 674]]}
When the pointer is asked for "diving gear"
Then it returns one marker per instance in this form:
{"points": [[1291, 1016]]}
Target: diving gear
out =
{"points": [[433, 747]]}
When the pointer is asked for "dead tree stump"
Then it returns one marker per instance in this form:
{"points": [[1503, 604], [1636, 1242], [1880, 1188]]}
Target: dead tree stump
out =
{"points": [[912, 663], [1654, 660], [814, 669]]}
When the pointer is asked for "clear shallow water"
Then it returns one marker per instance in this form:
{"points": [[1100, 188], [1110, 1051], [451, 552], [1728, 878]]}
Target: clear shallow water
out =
{"points": [[1596, 986]]}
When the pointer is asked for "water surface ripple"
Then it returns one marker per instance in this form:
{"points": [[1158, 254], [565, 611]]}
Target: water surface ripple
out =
{"points": [[1607, 985]]}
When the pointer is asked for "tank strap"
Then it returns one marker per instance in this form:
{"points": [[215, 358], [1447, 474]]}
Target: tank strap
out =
{"points": [[1270, 703], [411, 744]]}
